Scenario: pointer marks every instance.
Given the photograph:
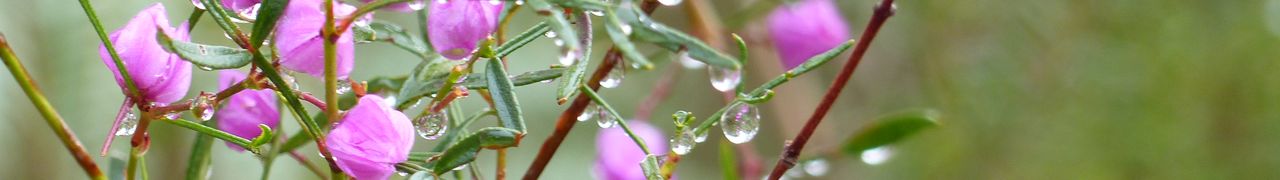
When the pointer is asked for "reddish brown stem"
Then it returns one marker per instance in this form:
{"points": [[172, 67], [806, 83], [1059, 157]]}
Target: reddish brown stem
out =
{"points": [[789, 155], [569, 117]]}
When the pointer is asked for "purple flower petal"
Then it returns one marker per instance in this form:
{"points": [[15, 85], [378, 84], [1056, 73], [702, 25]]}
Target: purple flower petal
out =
{"points": [[233, 5], [805, 29], [457, 27], [243, 112], [161, 76], [370, 139], [301, 44], [618, 157]]}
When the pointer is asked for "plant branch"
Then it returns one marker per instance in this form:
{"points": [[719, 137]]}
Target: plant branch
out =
{"points": [[50, 115], [569, 117], [330, 80], [882, 13]]}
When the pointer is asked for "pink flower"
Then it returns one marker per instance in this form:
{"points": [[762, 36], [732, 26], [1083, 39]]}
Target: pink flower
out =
{"points": [[410, 6], [160, 76], [457, 27], [371, 139], [618, 157], [243, 112], [805, 29], [301, 44]]}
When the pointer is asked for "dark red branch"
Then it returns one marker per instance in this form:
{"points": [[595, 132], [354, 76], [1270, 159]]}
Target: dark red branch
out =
{"points": [[882, 12]]}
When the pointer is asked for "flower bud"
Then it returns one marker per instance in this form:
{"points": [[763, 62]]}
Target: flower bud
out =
{"points": [[456, 27], [805, 29], [241, 113], [371, 138], [618, 157], [301, 43], [160, 76]]}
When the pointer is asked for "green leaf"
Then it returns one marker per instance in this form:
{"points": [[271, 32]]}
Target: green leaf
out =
{"points": [[523, 38], [268, 13], [206, 56], [645, 29], [421, 156], [425, 74], [651, 168], [583, 4], [387, 32], [263, 137], [504, 97], [618, 32], [416, 89], [386, 84], [558, 23], [890, 129], [573, 78], [466, 149]]}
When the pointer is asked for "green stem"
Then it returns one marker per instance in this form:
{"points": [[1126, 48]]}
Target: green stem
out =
{"points": [[215, 133], [201, 155], [616, 117], [195, 17], [135, 153], [330, 79], [111, 49], [50, 115], [142, 166]]}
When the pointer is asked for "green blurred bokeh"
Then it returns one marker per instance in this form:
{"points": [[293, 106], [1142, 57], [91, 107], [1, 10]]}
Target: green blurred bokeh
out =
{"points": [[1028, 89]]}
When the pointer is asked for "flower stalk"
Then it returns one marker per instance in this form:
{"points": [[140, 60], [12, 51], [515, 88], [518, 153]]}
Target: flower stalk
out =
{"points": [[792, 151]]}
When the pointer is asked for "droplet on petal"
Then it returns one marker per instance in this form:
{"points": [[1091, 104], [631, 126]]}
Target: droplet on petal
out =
{"points": [[740, 123]]}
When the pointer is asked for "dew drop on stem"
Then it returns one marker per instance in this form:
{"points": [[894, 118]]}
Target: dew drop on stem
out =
{"points": [[724, 79], [129, 124], [432, 126], [614, 78], [741, 123], [683, 144], [587, 113], [604, 119]]}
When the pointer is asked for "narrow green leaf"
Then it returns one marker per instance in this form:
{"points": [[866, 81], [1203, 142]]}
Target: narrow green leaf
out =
{"points": [[425, 74], [206, 56], [890, 129], [466, 149], [583, 4], [263, 137], [421, 156], [651, 167], [386, 84], [268, 14], [645, 29], [504, 97], [523, 38], [387, 32], [416, 89], [201, 155], [620, 34]]}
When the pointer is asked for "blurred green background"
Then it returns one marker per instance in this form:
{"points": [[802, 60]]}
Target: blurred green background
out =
{"points": [[1028, 89]]}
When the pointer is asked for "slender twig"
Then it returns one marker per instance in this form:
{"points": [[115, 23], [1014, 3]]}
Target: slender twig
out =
{"points": [[50, 115], [330, 78], [882, 13], [569, 117]]}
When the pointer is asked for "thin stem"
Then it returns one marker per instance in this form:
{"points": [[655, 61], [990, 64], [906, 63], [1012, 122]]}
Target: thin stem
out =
{"points": [[616, 117], [882, 13], [330, 78], [50, 115], [500, 172], [305, 163], [132, 167], [215, 133], [201, 155], [569, 117], [111, 49]]}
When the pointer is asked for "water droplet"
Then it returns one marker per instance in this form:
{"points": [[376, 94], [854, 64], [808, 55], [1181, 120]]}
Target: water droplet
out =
{"points": [[416, 103], [172, 115], [495, 2], [129, 124], [459, 168], [723, 79], [740, 123], [344, 86], [416, 5], [202, 105], [391, 99], [402, 173], [614, 78], [250, 13], [550, 34], [605, 120], [626, 29], [700, 137], [689, 62], [519, 2], [198, 4], [587, 113], [684, 143], [432, 126], [816, 167], [568, 56], [670, 2], [877, 156], [595, 13]]}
